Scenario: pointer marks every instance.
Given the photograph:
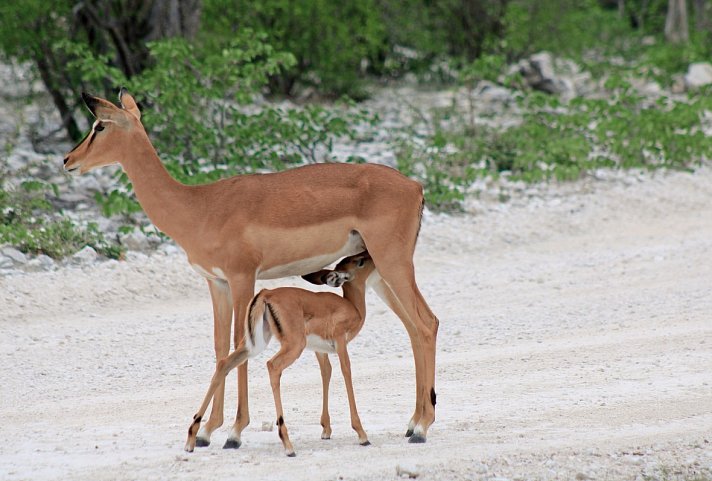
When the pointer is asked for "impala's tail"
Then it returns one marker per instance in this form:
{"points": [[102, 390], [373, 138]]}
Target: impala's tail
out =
{"points": [[257, 330]]}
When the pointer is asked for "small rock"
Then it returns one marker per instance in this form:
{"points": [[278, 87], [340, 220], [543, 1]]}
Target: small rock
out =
{"points": [[267, 426], [170, 249], [41, 263], [407, 471], [135, 241], [698, 75], [583, 476], [678, 84], [85, 256], [6, 262], [16, 256]]}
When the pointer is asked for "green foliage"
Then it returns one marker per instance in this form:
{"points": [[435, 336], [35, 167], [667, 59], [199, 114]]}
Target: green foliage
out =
{"points": [[566, 27], [329, 40], [28, 222], [557, 141]]}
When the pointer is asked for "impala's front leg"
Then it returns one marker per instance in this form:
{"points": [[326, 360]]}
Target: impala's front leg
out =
{"points": [[325, 367], [242, 288], [346, 371], [222, 317]]}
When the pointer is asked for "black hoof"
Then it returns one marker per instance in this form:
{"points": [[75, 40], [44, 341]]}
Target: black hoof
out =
{"points": [[292, 455], [408, 433], [232, 444], [365, 443], [417, 438], [202, 443]]}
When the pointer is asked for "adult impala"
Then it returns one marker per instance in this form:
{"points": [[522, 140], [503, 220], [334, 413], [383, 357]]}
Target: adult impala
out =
{"points": [[266, 226]]}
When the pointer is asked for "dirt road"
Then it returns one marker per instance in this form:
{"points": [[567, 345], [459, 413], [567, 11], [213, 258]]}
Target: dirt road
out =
{"points": [[575, 343]]}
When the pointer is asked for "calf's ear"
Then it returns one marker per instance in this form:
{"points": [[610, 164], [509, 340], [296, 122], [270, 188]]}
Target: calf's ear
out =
{"points": [[318, 278]]}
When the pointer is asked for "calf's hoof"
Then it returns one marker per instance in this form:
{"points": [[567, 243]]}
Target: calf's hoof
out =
{"points": [[202, 442]]}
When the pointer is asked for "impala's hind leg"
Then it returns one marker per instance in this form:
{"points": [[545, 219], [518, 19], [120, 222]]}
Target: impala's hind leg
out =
{"points": [[226, 365], [346, 371], [325, 367], [287, 354], [222, 319], [387, 296], [394, 263]]}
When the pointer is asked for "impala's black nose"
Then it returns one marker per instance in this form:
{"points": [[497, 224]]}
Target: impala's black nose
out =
{"points": [[66, 159]]}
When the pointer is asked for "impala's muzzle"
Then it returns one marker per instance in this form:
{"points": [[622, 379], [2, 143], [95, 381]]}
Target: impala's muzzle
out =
{"points": [[71, 168]]}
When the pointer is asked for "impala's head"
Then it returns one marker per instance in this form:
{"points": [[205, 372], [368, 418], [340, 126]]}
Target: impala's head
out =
{"points": [[114, 129], [353, 268]]}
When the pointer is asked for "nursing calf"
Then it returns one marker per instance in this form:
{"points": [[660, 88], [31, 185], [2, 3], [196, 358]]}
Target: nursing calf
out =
{"points": [[320, 321]]}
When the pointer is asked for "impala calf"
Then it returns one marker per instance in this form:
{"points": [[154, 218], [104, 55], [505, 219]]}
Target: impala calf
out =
{"points": [[320, 321]]}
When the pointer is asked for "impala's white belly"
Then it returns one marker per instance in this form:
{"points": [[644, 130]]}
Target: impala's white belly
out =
{"points": [[319, 344], [354, 245]]}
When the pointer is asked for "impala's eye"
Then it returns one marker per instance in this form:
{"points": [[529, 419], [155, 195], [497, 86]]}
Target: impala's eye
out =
{"points": [[99, 127]]}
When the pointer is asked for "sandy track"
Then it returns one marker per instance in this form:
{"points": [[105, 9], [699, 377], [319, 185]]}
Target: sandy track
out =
{"points": [[575, 343]]}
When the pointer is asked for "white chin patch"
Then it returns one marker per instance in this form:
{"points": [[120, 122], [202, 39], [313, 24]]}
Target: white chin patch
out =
{"points": [[76, 172]]}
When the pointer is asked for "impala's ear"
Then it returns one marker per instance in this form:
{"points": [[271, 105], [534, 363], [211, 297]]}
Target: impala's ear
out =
{"points": [[338, 279], [100, 108], [128, 103], [318, 278]]}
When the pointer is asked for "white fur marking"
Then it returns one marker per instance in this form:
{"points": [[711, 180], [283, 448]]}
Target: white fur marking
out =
{"points": [[262, 337], [203, 433], [233, 435], [219, 272], [319, 344]]}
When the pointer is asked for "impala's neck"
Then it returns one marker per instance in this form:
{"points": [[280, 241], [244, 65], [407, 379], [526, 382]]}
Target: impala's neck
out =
{"points": [[170, 205], [355, 292]]}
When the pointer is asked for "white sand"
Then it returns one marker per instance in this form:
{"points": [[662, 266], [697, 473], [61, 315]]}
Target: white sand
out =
{"points": [[575, 343]]}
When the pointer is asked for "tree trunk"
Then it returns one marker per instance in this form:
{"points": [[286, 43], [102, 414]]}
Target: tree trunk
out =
{"points": [[700, 9], [676, 30], [44, 60], [621, 8], [174, 18]]}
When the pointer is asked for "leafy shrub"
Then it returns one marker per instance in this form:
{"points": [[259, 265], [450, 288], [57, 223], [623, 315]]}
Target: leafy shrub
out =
{"points": [[329, 40], [28, 222], [558, 141]]}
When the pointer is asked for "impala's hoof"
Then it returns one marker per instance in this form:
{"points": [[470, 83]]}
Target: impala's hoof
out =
{"points": [[408, 433], [365, 443], [325, 436], [232, 444], [202, 443], [292, 454], [417, 438]]}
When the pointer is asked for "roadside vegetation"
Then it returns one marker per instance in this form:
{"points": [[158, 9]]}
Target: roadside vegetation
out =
{"points": [[237, 86]]}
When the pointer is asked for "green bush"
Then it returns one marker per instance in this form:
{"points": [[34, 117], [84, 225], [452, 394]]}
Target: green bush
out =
{"points": [[557, 141], [329, 40], [29, 222]]}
